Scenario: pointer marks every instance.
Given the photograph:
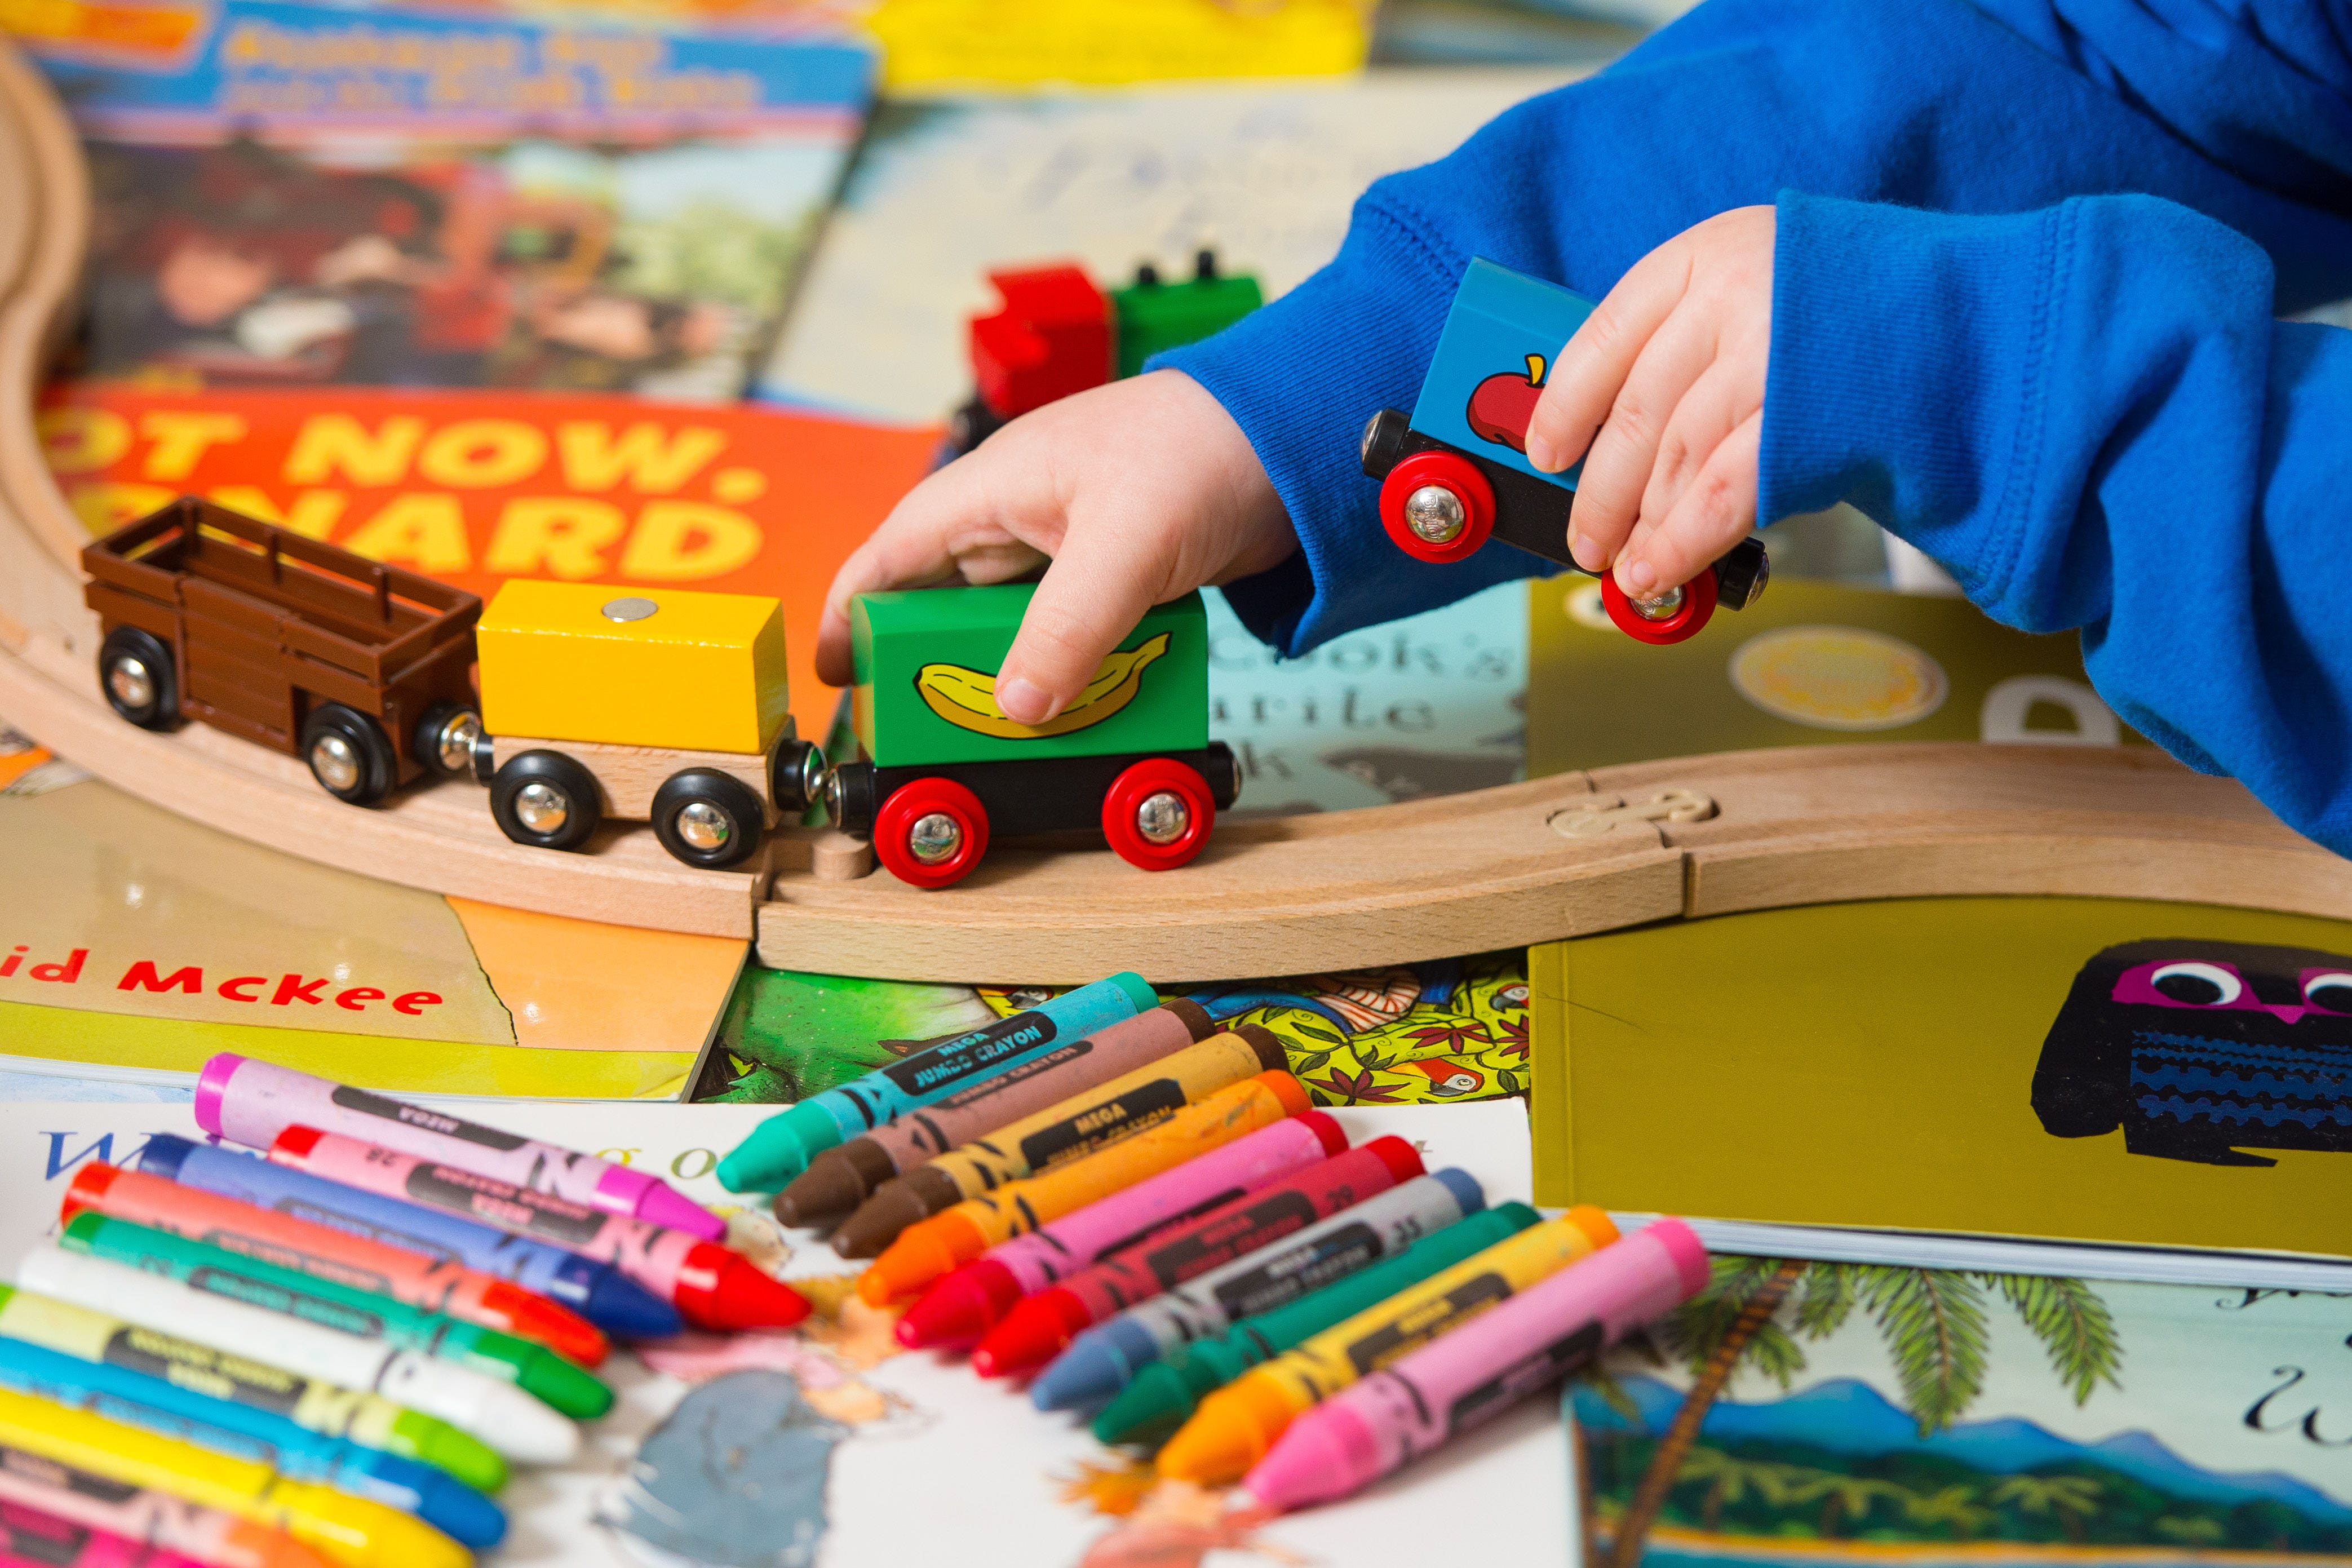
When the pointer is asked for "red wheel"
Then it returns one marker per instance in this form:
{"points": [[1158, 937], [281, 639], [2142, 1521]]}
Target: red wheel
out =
{"points": [[1444, 494], [1158, 814], [1697, 606], [930, 833]]}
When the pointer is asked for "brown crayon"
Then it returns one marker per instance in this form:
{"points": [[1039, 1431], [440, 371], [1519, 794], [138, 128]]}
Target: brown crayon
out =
{"points": [[1065, 1130], [840, 1179]]}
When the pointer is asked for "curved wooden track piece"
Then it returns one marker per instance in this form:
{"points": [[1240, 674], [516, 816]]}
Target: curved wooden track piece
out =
{"points": [[1531, 862]]}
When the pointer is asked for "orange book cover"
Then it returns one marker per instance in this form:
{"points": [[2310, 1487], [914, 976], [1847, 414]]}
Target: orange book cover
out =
{"points": [[475, 487]]}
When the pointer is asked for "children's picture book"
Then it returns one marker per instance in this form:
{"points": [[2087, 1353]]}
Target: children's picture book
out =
{"points": [[2105, 1070], [138, 943], [1452, 1029], [298, 194], [949, 189], [1810, 663], [1804, 1414]]}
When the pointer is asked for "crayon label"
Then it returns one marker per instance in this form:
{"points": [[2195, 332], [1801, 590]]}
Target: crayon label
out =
{"points": [[1145, 1105], [349, 1225], [368, 1104], [1333, 1255], [1546, 1366], [504, 1205], [38, 1538], [1247, 1229], [200, 1369], [1432, 1318], [1019, 1073], [926, 1072], [293, 1303], [1155, 1227], [65, 1478]]}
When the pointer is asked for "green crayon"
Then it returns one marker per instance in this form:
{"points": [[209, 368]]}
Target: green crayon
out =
{"points": [[533, 1368], [1161, 1397]]}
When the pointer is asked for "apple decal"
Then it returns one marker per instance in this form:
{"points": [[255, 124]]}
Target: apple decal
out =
{"points": [[1501, 405]]}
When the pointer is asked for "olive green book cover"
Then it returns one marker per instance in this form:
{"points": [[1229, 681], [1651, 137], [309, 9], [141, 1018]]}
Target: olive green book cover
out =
{"points": [[2083, 1069]]}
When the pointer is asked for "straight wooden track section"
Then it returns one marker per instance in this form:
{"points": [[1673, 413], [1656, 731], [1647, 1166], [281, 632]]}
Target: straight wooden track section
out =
{"points": [[1530, 862]]}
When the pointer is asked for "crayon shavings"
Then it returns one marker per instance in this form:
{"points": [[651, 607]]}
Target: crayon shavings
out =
{"points": [[1164, 1523], [735, 1479]]}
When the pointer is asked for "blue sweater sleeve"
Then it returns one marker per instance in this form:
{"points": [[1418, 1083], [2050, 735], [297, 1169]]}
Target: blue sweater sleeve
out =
{"points": [[2090, 416], [2226, 107]]}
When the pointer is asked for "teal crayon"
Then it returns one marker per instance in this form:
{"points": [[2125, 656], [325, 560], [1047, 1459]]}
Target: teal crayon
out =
{"points": [[782, 1147], [1161, 1397]]}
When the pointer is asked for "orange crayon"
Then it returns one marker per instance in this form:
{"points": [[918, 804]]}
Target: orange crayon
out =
{"points": [[927, 1251]]}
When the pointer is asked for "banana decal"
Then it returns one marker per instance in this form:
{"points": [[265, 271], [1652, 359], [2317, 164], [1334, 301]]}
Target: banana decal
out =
{"points": [[967, 697]]}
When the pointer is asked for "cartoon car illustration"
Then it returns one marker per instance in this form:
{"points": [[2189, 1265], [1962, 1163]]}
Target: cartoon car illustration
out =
{"points": [[943, 769], [1454, 473]]}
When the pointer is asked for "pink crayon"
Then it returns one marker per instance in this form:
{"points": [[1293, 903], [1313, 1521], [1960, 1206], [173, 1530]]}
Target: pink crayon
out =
{"points": [[964, 1305], [1477, 1370], [31, 1539], [251, 1102]]}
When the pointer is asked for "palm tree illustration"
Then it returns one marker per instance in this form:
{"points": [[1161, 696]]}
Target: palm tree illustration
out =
{"points": [[1729, 1480], [1931, 1321], [1846, 1497], [1955, 1507], [2072, 1499]]}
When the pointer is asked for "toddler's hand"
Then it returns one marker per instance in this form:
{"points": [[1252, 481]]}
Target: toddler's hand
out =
{"points": [[1669, 371], [1138, 491]]}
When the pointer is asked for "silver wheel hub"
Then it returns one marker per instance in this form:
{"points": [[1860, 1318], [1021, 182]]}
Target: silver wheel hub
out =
{"points": [[132, 683], [542, 807], [335, 762], [935, 837], [1435, 514], [1663, 607], [1163, 818], [455, 743], [704, 825]]}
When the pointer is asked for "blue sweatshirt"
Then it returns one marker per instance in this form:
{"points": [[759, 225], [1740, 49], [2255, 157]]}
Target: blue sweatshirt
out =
{"points": [[2030, 254]]}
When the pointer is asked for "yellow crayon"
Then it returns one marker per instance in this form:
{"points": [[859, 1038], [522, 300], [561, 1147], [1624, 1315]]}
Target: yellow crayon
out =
{"points": [[350, 1531], [947, 1241], [1069, 1129], [1237, 1424]]}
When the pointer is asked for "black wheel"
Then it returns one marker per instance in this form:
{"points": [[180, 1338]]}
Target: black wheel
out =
{"points": [[849, 803], [349, 754], [136, 672], [706, 818], [444, 738], [795, 776], [546, 800]]}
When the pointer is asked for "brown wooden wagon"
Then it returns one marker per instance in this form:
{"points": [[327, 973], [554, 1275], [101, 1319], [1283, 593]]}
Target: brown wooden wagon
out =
{"points": [[362, 670]]}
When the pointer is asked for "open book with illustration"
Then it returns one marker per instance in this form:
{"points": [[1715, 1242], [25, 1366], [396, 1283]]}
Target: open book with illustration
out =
{"points": [[1803, 1412]]}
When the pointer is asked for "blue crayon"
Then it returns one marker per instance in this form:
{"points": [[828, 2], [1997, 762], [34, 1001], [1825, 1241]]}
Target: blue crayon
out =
{"points": [[250, 1433], [597, 1291], [780, 1147]]}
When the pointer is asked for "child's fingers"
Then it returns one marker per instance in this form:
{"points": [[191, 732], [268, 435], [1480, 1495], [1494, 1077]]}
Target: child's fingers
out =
{"points": [[1091, 596], [1617, 468], [1716, 511], [1592, 367], [1726, 394]]}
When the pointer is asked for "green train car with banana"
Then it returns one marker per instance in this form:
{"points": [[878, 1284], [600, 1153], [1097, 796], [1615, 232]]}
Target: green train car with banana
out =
{"points": [[942, 770]]}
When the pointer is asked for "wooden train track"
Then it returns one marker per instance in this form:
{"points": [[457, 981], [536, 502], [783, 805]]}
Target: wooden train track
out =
{"points": [[1528, 862]]}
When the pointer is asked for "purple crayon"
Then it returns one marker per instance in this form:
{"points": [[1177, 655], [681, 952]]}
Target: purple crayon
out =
{"points": [[251, 1102], [1480, 1369]]}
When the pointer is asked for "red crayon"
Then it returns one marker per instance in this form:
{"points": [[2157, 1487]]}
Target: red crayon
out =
{"points": [[712, 1286], [1042, 1326], [434, 1284]]}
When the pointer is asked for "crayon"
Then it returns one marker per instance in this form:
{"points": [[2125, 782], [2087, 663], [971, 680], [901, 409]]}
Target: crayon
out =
{"points": [[507, 1419], [533, 1368], [368, 1419], [1452, 1384], [156, 1520], [1235, 1426], [840, 1179], [251, 1102], [1039, 1326], [350, 1531], [1162, 1395], [1069, 1129], [597, 1291], [713, 1287], [330, 1254], [945, 1242], [782, 1147], [31, 1539], [1101, 1361], [134, 1399]]}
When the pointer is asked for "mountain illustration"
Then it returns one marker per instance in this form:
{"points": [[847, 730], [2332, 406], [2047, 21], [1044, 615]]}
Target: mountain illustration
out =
{"points": [[1847, 1416]]}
